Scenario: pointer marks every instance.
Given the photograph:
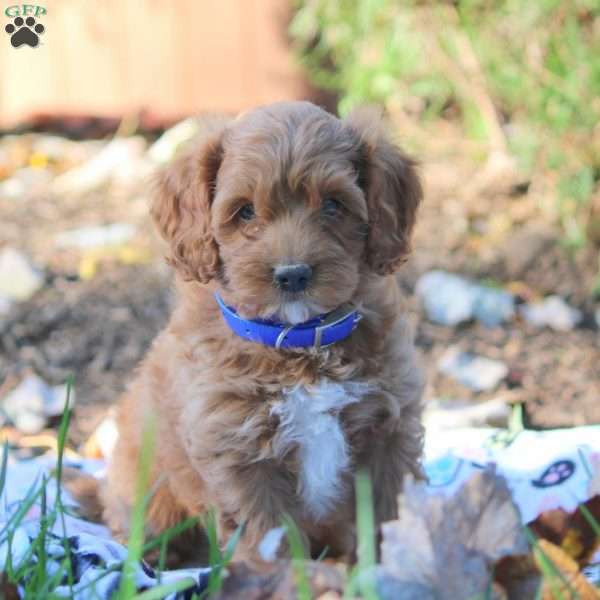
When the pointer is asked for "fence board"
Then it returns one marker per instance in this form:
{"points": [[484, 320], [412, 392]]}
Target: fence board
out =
{"points": [[109, 57]]}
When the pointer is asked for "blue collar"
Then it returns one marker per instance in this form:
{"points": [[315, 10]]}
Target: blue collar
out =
{"points": [[318, 332]]}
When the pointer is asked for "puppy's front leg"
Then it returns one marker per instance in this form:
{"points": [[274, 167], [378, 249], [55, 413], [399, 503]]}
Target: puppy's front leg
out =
{"points": [[229, 443], [387, 442]]}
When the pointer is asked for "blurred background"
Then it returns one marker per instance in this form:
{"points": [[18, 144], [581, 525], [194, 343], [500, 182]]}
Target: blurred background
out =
{"points": [[500, 102]]}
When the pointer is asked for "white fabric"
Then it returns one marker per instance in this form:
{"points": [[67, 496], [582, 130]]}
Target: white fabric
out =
{"points": [[544, 470]]}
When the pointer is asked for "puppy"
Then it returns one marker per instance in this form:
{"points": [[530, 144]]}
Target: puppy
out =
{"points": [[288, 364]]}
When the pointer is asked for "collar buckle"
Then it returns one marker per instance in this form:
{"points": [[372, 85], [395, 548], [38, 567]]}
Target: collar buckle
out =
{"points": [[333, 318]]}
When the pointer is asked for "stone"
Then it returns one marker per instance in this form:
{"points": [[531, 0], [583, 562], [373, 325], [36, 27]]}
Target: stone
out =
{"points": [[19, 279], [476, 372]]}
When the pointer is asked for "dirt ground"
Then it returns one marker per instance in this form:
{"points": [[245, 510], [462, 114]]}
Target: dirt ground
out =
{"points": [[99, 328]]}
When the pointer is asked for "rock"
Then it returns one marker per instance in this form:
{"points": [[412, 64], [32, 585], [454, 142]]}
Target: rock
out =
{"points": [[33, 402], [93, 237], [19, 280], [493, 307], [121, 160], [476, 372], [450, 300], [60, 150], [447, 298], [25, 181], [12, 188], [5, 305], [445, 414], [552, 312]]}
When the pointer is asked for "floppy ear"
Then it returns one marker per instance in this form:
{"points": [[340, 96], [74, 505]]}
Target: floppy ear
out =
{"points": [[392, 190], [181, 210]]}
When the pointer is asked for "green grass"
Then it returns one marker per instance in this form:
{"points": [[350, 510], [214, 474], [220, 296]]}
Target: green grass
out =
{"points": [[299, 558], [362, 578], [136, 535], [514, 75], [33, 572], [361, 581], [30, 569], [550, 572], [218, 559]]}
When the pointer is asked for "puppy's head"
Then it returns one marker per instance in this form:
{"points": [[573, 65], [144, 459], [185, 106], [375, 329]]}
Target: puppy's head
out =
{"points": [[287, 208]]}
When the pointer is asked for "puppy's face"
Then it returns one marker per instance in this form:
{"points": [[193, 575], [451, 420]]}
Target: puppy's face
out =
{"points": [[289, 216], [287, 208]]}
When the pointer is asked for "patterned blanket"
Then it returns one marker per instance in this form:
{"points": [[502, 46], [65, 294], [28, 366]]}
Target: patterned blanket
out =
{"points": [[544, 470]]}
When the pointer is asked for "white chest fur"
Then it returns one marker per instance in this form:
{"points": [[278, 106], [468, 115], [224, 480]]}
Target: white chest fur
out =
{"points": [[309, 421]]}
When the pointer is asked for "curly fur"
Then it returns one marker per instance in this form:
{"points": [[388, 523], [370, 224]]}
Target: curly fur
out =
{"points": [[256, 432], [309, 422]]}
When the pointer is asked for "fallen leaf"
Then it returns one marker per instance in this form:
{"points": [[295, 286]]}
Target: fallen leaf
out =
{"points": [[449, 545], [279, 582], [573, 532], [561, 575], [8, 590]]}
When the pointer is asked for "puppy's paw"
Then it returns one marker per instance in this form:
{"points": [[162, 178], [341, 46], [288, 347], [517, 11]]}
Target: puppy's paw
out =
{"points": [[85, 490]]}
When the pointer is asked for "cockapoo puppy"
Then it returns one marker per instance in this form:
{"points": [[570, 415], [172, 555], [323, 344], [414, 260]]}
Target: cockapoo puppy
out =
{"points": [[288, 364]]}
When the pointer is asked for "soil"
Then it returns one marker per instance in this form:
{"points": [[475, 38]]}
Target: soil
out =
{"points": [[99, 329]]}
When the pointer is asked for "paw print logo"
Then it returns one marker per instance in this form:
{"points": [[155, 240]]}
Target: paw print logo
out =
{"points": [[557, 473], [24, 31]]}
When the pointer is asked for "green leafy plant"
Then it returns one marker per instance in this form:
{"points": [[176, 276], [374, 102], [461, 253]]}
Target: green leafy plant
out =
{"points": [[518, 76]]}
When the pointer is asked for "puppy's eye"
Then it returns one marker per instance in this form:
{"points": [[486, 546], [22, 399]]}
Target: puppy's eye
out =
{"points": [[331, 207], [246, 213]]}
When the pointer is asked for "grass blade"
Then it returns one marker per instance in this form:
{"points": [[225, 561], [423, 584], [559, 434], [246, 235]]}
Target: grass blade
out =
{"points": [[215, 558], [299, 557], [58, 505], [62, 436], [136, 534], [169, 534], [550, 573], [232, 543], [160, 591], [589, 517], [366, 538]]}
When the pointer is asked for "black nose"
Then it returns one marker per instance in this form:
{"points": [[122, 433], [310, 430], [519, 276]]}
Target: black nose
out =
{"points": [[292, 278]]}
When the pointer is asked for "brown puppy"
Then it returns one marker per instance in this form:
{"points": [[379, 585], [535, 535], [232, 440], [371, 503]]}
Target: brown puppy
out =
{"points": [[287, 213]]}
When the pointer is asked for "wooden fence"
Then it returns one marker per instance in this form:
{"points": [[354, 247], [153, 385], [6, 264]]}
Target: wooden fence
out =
{"points": [[173, 57]]}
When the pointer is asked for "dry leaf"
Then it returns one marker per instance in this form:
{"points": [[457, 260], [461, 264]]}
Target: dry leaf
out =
{"points": [[448, 545], [279, 582], [8, 590], [572, 532], [563, 579]]}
